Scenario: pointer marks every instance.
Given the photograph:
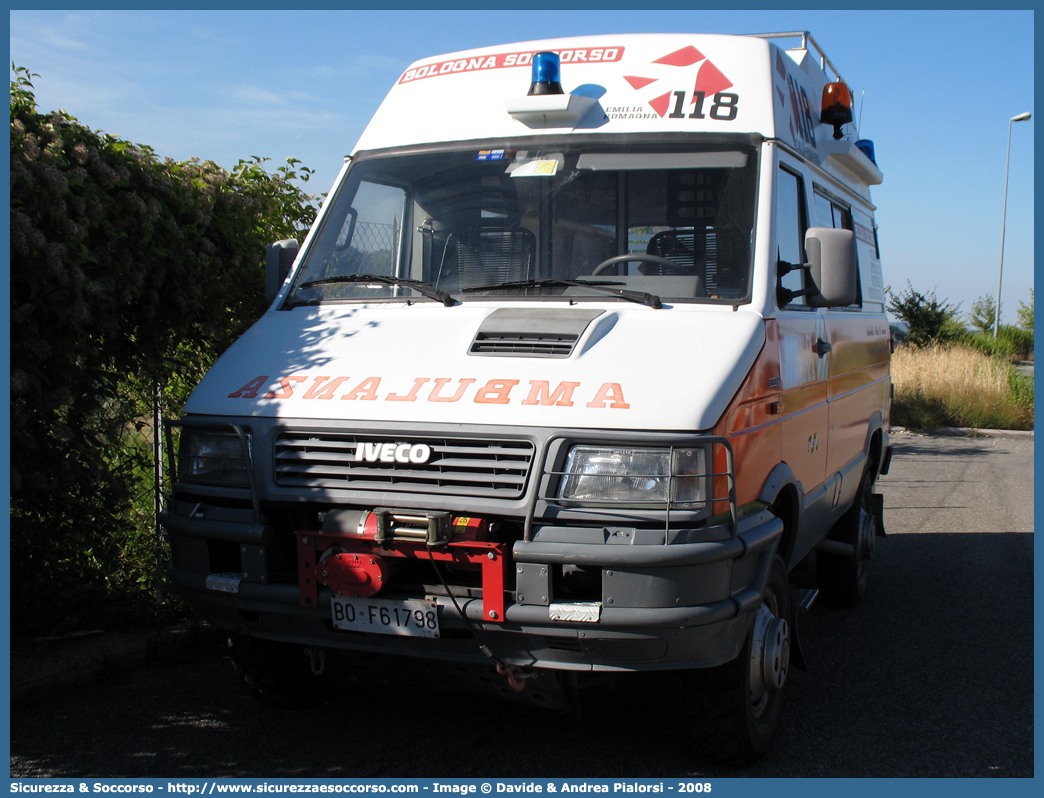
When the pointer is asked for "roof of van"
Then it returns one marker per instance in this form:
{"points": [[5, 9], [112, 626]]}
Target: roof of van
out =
{"points": [[618, 84]]}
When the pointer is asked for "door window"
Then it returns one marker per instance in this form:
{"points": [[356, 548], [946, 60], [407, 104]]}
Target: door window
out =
{"points": [[791, 223]]}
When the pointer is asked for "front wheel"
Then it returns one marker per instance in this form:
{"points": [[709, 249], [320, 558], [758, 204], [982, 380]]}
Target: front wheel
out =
{"points": [[737, 707], [843, 580]]}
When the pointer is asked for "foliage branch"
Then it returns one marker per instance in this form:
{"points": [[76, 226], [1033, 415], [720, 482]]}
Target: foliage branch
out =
{"points": [[128, 271]]}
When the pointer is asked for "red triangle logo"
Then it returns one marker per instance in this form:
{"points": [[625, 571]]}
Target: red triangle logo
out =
{"points": [[687, 56], [638, 83], [661, 104], [710, 80]]}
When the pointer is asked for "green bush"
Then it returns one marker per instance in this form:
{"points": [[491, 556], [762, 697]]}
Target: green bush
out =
{"points": [[127, 271], [1021, 389], [929, 320], [1013, 343]]}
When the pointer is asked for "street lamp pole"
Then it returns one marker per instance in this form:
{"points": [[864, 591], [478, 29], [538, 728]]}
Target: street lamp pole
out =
{"points": [[1004, 216]]}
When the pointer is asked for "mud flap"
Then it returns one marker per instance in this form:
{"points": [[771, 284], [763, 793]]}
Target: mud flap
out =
{"points": [[878, 510], [804, 600]]}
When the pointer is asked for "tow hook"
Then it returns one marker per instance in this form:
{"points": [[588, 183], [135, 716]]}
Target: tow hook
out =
{"points": [[317, 656], [516, 678]]}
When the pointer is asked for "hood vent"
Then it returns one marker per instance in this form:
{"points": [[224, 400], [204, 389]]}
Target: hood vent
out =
{"points": [[532, 345], [513, 332]]}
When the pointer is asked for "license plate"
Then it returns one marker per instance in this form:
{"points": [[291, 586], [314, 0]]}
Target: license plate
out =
{"points": [[410, 617]]}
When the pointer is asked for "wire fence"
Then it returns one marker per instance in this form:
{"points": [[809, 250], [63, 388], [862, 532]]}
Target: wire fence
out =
{"points": [[134, 555]]}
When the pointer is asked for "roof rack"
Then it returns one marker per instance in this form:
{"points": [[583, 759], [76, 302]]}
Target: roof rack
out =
{"points": [[806, 40]]}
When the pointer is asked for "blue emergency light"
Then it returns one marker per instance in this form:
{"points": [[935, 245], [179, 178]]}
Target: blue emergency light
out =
{"points": [[547, 71], [867, 148]]}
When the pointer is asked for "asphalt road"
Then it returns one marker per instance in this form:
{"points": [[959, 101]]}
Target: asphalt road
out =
{"points": [[932, 675]]}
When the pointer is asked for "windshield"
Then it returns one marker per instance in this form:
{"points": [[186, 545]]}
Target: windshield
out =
{"points": [[567, 221]]}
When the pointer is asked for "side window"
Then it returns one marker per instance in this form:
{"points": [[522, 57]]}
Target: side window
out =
{"points": [[831, 214], [824, 211], [791, 223]]}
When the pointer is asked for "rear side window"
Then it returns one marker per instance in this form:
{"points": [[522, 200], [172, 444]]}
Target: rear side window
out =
{"points": [[830, 213]]}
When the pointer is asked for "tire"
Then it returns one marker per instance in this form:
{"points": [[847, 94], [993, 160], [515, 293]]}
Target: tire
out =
{"points": [[842, 580], [737, 707], [277, 673]]}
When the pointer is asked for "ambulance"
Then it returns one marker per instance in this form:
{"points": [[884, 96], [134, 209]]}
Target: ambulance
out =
{"points": [[583, 369]]}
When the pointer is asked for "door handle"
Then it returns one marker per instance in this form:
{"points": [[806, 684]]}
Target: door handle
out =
{"points": [[822, 347]]}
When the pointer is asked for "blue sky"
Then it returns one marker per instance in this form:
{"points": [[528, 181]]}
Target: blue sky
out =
{"points": [[936, 89]]}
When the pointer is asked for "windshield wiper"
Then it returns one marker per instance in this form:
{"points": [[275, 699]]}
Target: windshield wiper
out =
{"points": [[419, 286], [640, 297]]}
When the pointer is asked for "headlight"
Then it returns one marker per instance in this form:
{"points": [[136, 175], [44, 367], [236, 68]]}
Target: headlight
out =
{"points": [[635, 476], [213, 457]]}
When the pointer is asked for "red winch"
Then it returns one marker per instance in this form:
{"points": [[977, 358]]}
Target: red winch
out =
{"points": [[351, 574], [350, 556]]}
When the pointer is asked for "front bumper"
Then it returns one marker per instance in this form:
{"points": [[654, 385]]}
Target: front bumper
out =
{"points": [[683, 603]]}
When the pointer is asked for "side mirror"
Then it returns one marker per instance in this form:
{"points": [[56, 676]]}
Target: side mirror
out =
{"points": [[832, 265], [279, 259]]}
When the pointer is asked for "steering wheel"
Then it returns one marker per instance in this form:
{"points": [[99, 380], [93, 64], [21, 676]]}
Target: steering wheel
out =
{"points": [[607, 264]]}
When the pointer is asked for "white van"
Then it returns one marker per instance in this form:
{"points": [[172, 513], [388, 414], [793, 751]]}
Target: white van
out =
{"points": [[583, 367]]}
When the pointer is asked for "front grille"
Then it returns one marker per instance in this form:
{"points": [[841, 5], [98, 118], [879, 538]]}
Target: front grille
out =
{"points": [[476, 467]]}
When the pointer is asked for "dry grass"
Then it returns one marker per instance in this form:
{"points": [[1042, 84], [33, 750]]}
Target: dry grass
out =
{"points": [[959, 387]]}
